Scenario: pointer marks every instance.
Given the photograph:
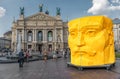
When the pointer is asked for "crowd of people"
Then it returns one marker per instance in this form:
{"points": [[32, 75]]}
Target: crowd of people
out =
{"points": [[24, 56]]}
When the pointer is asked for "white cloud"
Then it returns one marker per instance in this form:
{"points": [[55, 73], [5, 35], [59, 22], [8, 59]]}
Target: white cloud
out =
{"points": [[115, 1], [2, 12], [104, 7]]}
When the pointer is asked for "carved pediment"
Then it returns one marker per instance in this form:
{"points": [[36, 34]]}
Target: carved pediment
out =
{"points": [[40, 16]]}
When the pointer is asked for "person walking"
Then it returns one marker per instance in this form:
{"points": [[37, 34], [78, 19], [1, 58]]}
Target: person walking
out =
{"points": [[54, 55], [21, 58], [65, 54], [27, 56], [45, 55]]}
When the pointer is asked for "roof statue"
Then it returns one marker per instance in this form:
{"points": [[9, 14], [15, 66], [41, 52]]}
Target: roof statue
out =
{"points": [[41, 7], [57, 11], [21, 10], [47, 12]]}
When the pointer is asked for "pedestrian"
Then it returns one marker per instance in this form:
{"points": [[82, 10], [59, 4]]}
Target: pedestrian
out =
{"points": [[27, 56], [57, 51], [21, 58], [45, 55], [65, 55], [54, 55], [40, 51]]}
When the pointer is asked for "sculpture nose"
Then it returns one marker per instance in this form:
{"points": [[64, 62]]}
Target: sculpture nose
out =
{"points": [[80, 39]]}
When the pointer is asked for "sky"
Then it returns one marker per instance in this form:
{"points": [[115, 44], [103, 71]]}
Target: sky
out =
{"points": [[70, 9]]}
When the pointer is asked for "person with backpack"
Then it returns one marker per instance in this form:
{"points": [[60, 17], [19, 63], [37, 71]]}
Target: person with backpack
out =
{"points": [[21, 58]]}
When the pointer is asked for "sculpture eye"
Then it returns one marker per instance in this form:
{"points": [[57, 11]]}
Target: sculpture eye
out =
{"points": [[72, 33], [91, 33]]}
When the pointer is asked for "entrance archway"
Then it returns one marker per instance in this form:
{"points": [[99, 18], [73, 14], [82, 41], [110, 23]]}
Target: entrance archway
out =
{"points": [[29, 46], [40, 47], [50, 47]]}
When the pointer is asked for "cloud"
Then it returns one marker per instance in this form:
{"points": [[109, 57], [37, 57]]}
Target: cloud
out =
{"points": [[2, 12], [105, 7], [116, 1]]}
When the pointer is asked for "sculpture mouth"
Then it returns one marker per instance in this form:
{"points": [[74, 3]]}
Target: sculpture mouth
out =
{"points": [[83, 52]]}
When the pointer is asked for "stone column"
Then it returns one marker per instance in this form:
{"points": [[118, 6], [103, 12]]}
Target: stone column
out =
{"points": [[25, 36], [35, 35], [35, 38], [16, 40], [62, 43], [13, 39], [22, 35], [61, 35], [55, 35], [55, 38], [44, 36], [16, 35]]}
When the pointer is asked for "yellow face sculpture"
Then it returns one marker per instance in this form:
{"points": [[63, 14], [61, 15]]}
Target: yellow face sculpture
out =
{"points": [[91, 41]]}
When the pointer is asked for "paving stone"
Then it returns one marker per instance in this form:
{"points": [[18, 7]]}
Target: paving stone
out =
{"points": [[55, 70]]}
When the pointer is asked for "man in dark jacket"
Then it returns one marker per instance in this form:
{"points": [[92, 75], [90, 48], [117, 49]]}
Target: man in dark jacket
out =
{"points": [[21, 58]]}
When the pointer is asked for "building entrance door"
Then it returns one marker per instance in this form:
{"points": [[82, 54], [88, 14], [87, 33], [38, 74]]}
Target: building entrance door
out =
{"points": [[40, 47], [29, 46], [50, 47]]}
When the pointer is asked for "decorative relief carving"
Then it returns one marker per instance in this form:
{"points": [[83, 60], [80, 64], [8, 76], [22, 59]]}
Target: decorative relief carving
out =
{"points": [[40, 17], [59, 22], [33, 18], [41, 23], [20, 23], [31, 23], [41, 20], [51, 23]]}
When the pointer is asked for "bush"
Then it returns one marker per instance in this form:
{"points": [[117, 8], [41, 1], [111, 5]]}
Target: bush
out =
{"points": [[117, 55]]}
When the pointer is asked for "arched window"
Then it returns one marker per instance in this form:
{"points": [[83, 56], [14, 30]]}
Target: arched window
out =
{"points": [[50, 35], [40, 36], [30, 35]]}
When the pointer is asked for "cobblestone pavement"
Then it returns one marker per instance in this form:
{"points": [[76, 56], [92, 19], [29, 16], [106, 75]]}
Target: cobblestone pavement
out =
{"points": [[55, 70]]}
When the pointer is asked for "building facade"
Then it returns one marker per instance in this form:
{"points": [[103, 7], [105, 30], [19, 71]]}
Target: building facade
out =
{"points": [[8, 35], [116, 30], [39, 31], [5, 43]]}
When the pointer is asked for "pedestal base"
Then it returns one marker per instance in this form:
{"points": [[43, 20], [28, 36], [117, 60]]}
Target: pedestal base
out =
{"points": [[107, 66]]}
